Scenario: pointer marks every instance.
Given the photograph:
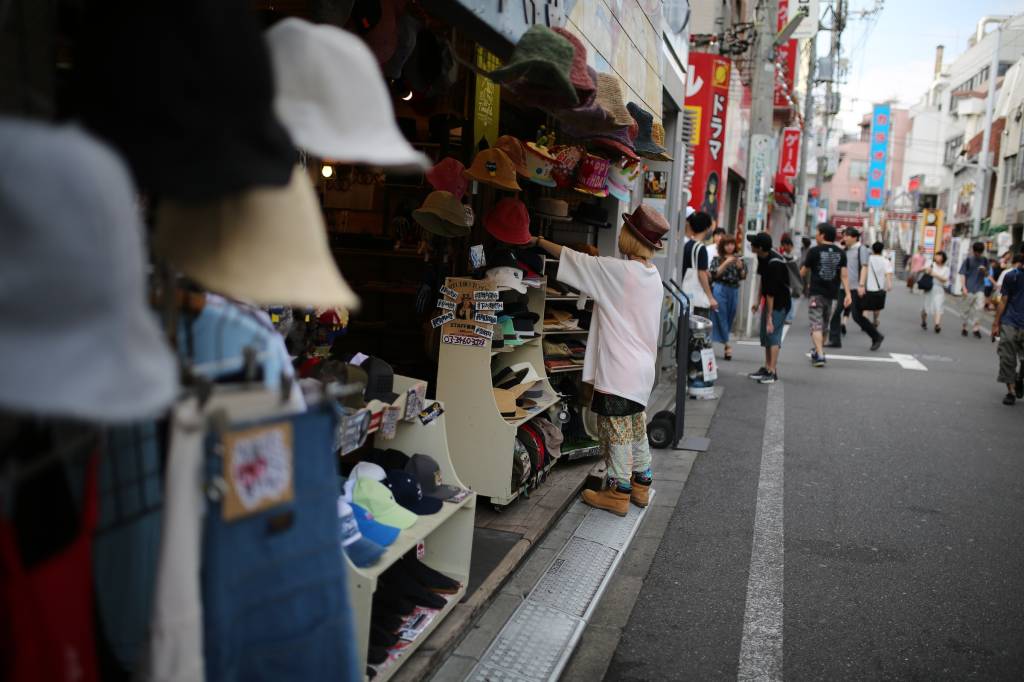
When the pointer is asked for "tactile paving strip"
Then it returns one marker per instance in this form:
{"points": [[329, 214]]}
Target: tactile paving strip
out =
{"points": [[573, 578], [531, 646], [608, 529]]}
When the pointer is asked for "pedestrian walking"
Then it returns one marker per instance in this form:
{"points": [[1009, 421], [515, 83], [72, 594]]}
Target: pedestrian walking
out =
{"points": [[933, 279], [825, 265], [879, 282], [974, 270], [917, 264], [774, 304], [857, 270], [696, 277], [1009, 327], [622, 353], [786, 249], [727, 271]]}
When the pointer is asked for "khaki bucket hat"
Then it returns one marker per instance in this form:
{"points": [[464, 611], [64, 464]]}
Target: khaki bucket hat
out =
{"points": [[443, 214], [267, 245]]}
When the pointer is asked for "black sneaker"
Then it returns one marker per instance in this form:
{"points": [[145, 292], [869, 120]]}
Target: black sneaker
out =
{"points": [[817, 360], [758, 374], [1010, 399], [963, 332], [1019, 388], [877, 343], [842, 328], [977, 334], [769, 378]]}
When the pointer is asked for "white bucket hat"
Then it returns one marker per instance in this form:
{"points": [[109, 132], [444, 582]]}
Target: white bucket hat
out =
{"points": [[266, 246], [77, 339], [331, 96]]}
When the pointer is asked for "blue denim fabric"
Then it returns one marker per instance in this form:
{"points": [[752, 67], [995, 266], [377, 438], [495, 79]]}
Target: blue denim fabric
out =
{"points": [[728, 299], [275, 603]]}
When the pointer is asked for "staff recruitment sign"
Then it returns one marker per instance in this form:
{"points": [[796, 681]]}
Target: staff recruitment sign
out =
{"points": [[881, 125], [707, 97]]}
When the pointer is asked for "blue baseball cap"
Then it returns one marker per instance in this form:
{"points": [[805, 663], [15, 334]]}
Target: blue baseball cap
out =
{"points": [[374, 530], [409, 494], [362, 552]]}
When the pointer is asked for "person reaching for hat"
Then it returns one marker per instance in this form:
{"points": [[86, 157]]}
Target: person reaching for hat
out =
{"points": [[621, 351]]}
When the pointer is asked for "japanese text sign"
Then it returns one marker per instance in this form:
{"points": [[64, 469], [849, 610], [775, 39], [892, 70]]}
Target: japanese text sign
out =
{"points": [[789, 156], [786, 54], [707, 96]]}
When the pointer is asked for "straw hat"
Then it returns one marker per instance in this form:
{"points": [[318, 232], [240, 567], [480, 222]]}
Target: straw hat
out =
{"points": [[658, 135], [609, 98], [443, 214], [266, 246], [552, 209], [593, 176], [493, 167], [506, 404], [314, 97], [513, 148], [543, 59]]}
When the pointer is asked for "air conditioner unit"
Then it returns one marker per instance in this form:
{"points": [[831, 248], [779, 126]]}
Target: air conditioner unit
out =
{"points": [[826, 70]]}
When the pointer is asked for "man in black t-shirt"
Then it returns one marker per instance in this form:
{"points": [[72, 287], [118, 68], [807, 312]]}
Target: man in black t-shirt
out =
{"points": [[774, 304], [696, 277], [826, 264]]}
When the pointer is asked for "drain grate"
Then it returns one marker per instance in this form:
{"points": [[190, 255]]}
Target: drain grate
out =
{"points": [[573, 578], [531, 646], [606, 529]]}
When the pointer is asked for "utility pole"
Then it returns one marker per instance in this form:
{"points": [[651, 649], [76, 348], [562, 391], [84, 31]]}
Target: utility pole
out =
{"points": [[981, 187], [805, 138], [761, 112], [838, 23]]}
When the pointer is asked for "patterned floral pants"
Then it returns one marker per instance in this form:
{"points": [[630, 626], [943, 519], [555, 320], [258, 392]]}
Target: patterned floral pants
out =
{"points": [[624, 446]]}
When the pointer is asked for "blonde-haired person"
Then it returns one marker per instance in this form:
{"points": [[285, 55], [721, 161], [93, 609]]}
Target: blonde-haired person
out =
{"points": [[621, 350]]}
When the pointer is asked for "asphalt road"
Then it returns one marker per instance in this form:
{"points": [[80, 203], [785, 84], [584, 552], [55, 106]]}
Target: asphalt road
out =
{"points": [[900, 522]]}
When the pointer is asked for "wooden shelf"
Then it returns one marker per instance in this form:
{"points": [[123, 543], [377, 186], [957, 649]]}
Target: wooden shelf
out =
{"points": [[565, 370], [568, 331], [537, 411]]}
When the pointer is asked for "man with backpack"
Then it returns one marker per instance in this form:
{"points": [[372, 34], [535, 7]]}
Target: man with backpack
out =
{"points": [[826, 265], [974, 270], [857, 256], [774, 304]]}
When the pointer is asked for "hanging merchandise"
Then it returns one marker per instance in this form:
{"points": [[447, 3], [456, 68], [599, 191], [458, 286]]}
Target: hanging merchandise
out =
{"points": [[539, 68], [408, 30], [619, 141], [621, 176], [540, 164], [314, 97], [609, 98], [444, 215], [432, 69], [67, 214], [376, 22], [579, 75], [590, 116], [552, 209], [199, 124], [567, 159], [448, 175], [644, 142], [658, 136], [493, 167], [509, 222], [235, 246], [593, 176], [513, 148]]}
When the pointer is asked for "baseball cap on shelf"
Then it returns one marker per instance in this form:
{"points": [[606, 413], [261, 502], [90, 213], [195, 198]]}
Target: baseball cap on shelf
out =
{"points": [[372, 529], [236, 246], [388, 459], [377, 499], [380, 380], [78, 339], [409, 494], [505, 277], [369, 470], [427, 472], [362, 551]]}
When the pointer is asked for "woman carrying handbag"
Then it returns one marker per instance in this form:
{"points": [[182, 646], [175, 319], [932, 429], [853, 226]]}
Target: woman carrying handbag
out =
{"points": [[933, 282], [879, 281]]}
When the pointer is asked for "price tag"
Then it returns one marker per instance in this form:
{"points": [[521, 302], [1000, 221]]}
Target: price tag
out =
{"points": [[421, 551], [257, 469], [484, 332], [484, 318], [413, 402], [389, 424], [449, 292], [442, 319], [485, 295], [457, 340], [431, 413], [708, 365], [445, 304], [490, 305]]}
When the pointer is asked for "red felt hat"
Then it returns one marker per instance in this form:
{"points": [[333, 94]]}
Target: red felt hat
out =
{"points": [[648, 225], [509, 222], [579, 76], [448, 176]]}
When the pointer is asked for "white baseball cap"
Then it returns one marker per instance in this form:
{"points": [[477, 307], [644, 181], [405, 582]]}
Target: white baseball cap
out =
{"points": [[78, 339], [368, 470], [332, 98], [506, 277]]}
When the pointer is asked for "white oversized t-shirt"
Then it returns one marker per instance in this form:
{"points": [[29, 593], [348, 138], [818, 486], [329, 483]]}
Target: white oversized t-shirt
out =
{"points": [[623, 343]]}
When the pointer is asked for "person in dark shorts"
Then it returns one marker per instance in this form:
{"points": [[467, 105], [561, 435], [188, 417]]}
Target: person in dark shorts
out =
{"points": [[1009, 327], [774, 304], [826, 266]]}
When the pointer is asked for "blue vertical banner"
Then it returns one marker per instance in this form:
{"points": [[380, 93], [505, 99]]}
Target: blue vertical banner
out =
{"points": [[881, 124]]}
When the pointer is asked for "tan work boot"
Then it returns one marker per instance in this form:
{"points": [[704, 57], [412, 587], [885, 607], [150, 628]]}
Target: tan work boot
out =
{"points": [[610, 499], [640, 495]]}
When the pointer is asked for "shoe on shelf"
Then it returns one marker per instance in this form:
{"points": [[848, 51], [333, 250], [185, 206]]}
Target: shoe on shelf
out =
{"points": [[1019, 388], [877, 343], [963, 332], [1010, 399], [758, 374], [769, 378], [977, 334], [610, 499], [817, 360]]}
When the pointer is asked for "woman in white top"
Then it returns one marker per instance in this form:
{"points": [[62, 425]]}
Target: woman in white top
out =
{"points": [[936, 298], [621, 350], [880, 272]]}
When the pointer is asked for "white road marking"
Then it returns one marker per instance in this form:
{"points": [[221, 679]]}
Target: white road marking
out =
{"points": [[909, 362], [902, 359], [761, 647]]}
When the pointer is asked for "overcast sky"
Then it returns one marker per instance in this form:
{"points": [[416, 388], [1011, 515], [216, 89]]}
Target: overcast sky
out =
{"points": [[892, 53]]}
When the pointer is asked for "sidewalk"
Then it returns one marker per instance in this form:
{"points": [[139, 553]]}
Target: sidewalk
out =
{"points": [[599, 639]]}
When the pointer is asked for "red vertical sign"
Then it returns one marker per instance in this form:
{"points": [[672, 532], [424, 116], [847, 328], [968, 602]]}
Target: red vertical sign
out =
{"points": [[786, 54], [789, 157], [707, 97]]}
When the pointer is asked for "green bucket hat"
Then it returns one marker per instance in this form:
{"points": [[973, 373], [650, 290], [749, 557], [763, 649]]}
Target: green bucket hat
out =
{"points": [[542, 58]]}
